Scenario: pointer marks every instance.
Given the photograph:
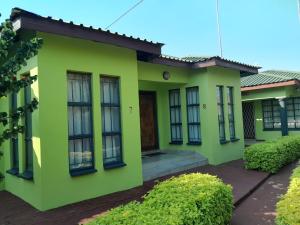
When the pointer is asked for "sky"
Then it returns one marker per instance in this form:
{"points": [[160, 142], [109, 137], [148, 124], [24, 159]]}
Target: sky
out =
{"points": [[259, 32]]}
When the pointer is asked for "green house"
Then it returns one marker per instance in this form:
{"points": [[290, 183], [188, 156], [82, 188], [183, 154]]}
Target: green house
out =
{"points": [[271, 104], [106, 103]]}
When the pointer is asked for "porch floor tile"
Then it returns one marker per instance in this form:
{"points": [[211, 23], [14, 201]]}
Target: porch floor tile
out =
{"points": [[14, 211]]}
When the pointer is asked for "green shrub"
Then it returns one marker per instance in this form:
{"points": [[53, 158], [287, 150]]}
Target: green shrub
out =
{"points": [[187, 199], [273, 155], [288, 208]]}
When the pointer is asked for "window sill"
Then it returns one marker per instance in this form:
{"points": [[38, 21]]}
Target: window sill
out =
{"points": [[234, 139], [176, 143], [272, 129], [114, 165], [223, 142], [77, 173], [13, 171], [27, 175], [194, 143]]}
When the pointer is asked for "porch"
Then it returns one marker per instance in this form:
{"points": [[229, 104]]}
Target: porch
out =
{"points": [[161, 163]]}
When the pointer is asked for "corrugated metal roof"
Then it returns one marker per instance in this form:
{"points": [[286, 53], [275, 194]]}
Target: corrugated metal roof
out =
{"points": [[195, 59], [16, 12], [269, 77]]}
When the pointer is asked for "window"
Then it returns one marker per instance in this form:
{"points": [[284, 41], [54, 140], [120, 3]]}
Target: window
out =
{"points": [[81, 154], [28, 174], [111, 122], [271, 114], [231, 112], [293, 113], [14, 141], [175, 116], [193, 115], [220, 103]]}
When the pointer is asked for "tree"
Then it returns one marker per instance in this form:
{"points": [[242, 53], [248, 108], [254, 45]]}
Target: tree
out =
{"points": [[13, 55]]}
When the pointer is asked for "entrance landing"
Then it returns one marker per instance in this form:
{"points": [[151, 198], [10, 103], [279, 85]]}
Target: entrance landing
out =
{"points": [[166, 162]]}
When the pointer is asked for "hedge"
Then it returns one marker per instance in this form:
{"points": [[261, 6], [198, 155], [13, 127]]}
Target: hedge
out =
{"points": [[188, 199], [273, 155], [288, 208]]}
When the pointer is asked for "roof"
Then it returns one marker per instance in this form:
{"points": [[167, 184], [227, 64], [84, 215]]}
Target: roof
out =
{"points": [[207, 61], [23, 19], [146, 50], [269, 77]]}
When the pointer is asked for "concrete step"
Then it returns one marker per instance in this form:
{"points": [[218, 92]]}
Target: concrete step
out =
{"points": [[172, 162]]}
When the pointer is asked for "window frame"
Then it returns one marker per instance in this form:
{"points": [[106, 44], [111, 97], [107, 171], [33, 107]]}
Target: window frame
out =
{"points": [[231, 120], [294, 112], [28, 145], [198, 124], [120, 162], [220, 104], [272, 117], [14, 170], [178, 107], [89, 169]]}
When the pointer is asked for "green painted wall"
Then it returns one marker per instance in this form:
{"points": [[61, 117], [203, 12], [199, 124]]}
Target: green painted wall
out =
{"points": [[256, 97], [30, 191], [60, 54], [150, 77]]}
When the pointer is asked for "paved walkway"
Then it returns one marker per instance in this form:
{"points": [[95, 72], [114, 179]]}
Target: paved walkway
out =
{"points": [[14, 211], [259, 207]]}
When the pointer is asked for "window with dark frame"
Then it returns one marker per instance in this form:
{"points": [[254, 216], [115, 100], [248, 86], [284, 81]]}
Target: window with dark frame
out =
{"points": [[175, 116], [271, 114], [293, 113], [220, 104], [80, 128], [193, 115], [111, 121], [28, 173], [14, 141], [231, 121]]}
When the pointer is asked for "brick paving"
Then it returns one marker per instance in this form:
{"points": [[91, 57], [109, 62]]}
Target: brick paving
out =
{"points": [[259, 207], [14, 211]]}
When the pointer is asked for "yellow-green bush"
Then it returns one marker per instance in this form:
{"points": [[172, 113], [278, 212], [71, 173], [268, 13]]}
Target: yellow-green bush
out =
{"points": [[187, 199], [288, 208], [273, 155]]}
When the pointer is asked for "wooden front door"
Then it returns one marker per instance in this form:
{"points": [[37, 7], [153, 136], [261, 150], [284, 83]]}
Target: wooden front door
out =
{"points": [[148, 120]]}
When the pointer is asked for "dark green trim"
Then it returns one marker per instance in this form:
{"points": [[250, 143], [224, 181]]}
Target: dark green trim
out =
{"points": [[271, 129], [176, 143], [179, 124], [114, 165], [26, 175], [28, 136], [283, 117], [234, 139], [194, 143], [221, 116], [13, 171], [223, 142], [196, 104], [75, 173]]}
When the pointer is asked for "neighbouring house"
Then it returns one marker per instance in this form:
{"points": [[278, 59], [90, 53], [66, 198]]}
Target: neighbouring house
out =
{"points": [[271, 104], [107, 104]]}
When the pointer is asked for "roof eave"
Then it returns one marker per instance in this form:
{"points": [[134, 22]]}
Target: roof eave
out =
{"points": [[293, 82], [58, 27], [227, 64]]}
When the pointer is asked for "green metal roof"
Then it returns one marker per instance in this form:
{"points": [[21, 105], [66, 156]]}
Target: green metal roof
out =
{"points": [[269, 77], [195, 59]]}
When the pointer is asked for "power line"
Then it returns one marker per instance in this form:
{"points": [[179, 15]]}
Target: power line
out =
{"points": [[125, 13], [219, 28], [299, 9]]}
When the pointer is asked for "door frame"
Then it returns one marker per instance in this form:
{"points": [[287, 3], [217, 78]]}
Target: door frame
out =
{"points": [[154, 95]]}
